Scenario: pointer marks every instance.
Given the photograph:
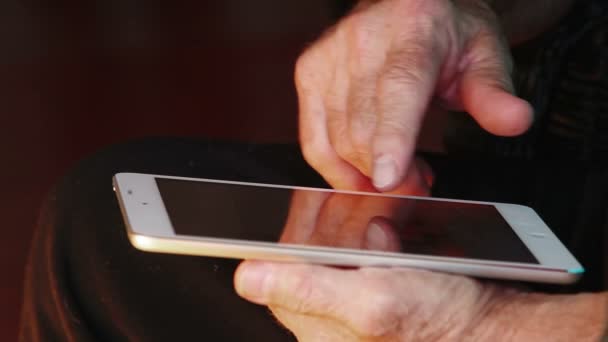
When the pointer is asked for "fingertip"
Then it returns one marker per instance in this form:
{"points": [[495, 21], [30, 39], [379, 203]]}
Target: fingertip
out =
{"points": [[381, 236], [513, 115], [385, 176], [375, 237], [500, 112]]}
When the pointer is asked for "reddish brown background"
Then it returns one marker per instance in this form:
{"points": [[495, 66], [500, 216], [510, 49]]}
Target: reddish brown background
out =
{"points": [[78, 75]]}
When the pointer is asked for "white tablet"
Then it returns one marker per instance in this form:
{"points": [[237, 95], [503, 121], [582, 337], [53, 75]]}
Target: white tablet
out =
{"points": [[228, 219]]}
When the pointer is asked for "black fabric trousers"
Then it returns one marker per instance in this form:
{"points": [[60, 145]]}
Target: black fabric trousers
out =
{"points": [[85, 282]]}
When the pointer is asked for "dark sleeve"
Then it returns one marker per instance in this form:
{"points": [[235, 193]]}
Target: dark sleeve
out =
{"points": [[563, 75]]}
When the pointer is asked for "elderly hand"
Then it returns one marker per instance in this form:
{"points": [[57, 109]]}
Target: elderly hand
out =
{"points": [[366, 85], [364, 88], [398, 304], [319, 303], [390, 304]]}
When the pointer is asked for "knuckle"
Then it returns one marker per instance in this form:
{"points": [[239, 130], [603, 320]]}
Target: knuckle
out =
{"points": [[311, 66], [302, 296], [314, 148], [302, 286], [384, 313], [361, 37], [381, 317], [312, 153], [394, 129], [358, 157], [403, 68], [344, 149], [492, 50], [494, 74], [303, 68], [430, 15]]}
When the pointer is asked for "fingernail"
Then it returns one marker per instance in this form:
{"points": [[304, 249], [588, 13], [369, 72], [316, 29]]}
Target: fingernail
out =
{"points": [[385, 172], [251, 280], [376, 237]]}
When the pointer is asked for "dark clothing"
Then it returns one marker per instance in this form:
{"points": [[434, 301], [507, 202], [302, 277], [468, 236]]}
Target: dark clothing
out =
{"points": [[564, 75], [86, 282]]}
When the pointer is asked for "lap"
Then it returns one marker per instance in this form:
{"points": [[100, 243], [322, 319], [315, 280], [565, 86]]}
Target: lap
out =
{"points": [[85, 280]]}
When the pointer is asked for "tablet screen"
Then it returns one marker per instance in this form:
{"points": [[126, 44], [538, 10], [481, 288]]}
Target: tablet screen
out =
{"points": [[321, 218]]}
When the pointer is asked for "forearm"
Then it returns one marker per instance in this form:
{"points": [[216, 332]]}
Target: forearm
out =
{"points": [[538, 317], [525, 19]]}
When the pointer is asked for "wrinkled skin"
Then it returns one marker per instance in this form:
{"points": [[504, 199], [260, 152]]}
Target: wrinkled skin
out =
{"points": [[364, 88]]}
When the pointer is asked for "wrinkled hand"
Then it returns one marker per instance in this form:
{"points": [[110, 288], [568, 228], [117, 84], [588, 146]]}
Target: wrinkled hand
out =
{"points": [[365, 86], [386, 304], [366, 304], [319, 303], [323, 303]]}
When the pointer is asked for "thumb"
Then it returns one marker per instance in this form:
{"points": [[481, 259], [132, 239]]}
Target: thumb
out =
{"points": [[312, 290], [487, 89], [300, 288]]}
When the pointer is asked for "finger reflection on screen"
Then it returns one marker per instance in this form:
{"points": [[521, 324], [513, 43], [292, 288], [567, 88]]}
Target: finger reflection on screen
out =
{"points": [[325, 218], [344, 220]]}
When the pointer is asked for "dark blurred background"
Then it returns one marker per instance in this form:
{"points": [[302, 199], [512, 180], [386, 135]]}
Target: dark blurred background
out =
{"points": [[78, 75]]}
